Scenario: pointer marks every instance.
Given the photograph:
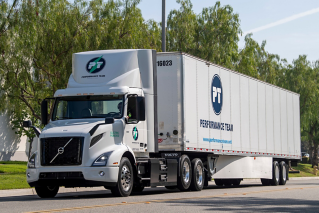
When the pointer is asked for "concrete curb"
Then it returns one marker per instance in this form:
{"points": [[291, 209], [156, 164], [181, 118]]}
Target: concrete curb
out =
{"points": [[31, 191]]}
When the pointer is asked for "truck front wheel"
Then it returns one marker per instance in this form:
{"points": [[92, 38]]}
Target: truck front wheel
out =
{"points": [[47, 191], [185, 177], [125, 180]]}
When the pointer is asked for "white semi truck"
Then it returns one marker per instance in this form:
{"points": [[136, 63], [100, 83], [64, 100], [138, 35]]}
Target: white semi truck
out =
{"points": [[130, 119]]}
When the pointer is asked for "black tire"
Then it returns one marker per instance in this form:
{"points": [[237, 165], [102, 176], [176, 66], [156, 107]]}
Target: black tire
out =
{"points": [[236, 182], [198, 175], [219, 182], [185, 177], [227, 182], [275, 174], [265, 182], [124, 185], [283, 173], [47, 191], [170, 187]]}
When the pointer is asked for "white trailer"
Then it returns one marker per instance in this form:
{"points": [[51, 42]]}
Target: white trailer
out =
{"points": [[136, 118]]}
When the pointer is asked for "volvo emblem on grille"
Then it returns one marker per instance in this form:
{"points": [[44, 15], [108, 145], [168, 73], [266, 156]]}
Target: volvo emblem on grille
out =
{"points": [[61, 150]]}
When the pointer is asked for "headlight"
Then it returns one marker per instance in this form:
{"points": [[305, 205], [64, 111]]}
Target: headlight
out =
{"points": [[102, 159], [31, 162]]}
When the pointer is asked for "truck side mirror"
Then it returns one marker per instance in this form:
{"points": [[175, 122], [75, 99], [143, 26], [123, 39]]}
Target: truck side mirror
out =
{"points": [[27, 124], [109, 120], [44, 112]]}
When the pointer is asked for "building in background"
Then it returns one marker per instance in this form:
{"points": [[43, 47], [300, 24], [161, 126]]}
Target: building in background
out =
{"points": [[12, 147]]}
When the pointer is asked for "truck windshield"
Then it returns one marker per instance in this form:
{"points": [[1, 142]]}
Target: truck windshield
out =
{"points": [[88, 107]]}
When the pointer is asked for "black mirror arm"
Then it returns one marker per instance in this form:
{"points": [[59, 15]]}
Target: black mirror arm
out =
{"points": [[36, 130]]}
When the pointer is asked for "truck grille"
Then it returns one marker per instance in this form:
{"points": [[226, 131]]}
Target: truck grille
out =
{"points": [[61, 151]]}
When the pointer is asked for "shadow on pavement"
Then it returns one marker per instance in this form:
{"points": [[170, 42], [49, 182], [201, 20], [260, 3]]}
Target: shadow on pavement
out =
{"points": [[250, 204]]}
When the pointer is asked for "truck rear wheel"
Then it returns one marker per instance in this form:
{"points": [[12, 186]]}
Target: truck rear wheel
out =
{"points": [[47, 191], [125, 180], [185, 177], [198, 176], [283, 173], [275, 174]]}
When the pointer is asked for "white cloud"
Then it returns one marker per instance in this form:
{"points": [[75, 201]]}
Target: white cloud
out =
{"points": [[283, 21]]}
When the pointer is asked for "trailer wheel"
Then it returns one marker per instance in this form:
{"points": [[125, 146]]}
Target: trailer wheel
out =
{"points": [[47, 191], [283, 173], [275, 174], [184, 180], [219, 182], [198, 176], [236, 182], [125, 180], [265, 182], [227, 182]]}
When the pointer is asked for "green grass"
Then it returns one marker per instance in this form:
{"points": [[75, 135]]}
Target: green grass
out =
{"points": [[13, 168], [12, 175], [14, 162], [305, 171], [13, 181]]}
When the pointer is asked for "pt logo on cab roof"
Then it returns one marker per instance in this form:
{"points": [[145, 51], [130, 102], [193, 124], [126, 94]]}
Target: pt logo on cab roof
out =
{"points": [[95, 65]]}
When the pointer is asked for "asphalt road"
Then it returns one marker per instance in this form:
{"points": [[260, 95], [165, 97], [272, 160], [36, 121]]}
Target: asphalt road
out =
{"points": [[296, 196]]}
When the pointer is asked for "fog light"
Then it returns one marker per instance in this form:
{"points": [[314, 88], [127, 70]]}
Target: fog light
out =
{"points": [[101, 173], [28, 175]]}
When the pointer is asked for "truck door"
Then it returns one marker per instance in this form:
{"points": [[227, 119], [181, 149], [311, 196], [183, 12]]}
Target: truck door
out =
{"points": [[135, 125]]}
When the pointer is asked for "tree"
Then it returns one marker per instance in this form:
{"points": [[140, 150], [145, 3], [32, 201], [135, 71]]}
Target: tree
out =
{"points": [[212, 35], [37, 52]]}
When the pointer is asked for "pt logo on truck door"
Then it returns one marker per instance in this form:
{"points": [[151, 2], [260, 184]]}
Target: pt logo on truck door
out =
{"points": [[135, 133], [95, 65], [217, 94]]}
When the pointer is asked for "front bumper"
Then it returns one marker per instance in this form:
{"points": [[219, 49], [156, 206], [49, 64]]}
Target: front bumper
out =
{"points": [[72, 176]]}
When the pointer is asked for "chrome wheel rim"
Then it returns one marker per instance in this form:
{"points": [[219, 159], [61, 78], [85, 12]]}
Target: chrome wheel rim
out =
{"points": [[126, 178], [186, 172], [277, 173], [199, 175]]}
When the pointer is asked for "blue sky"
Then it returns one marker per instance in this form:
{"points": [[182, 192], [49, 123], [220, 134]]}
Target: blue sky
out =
{"points": [[290, 27]]}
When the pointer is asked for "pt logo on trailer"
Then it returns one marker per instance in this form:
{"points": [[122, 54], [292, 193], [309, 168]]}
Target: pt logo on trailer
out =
{"points": [[95, 65], [135, 133], [217, 94]]}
